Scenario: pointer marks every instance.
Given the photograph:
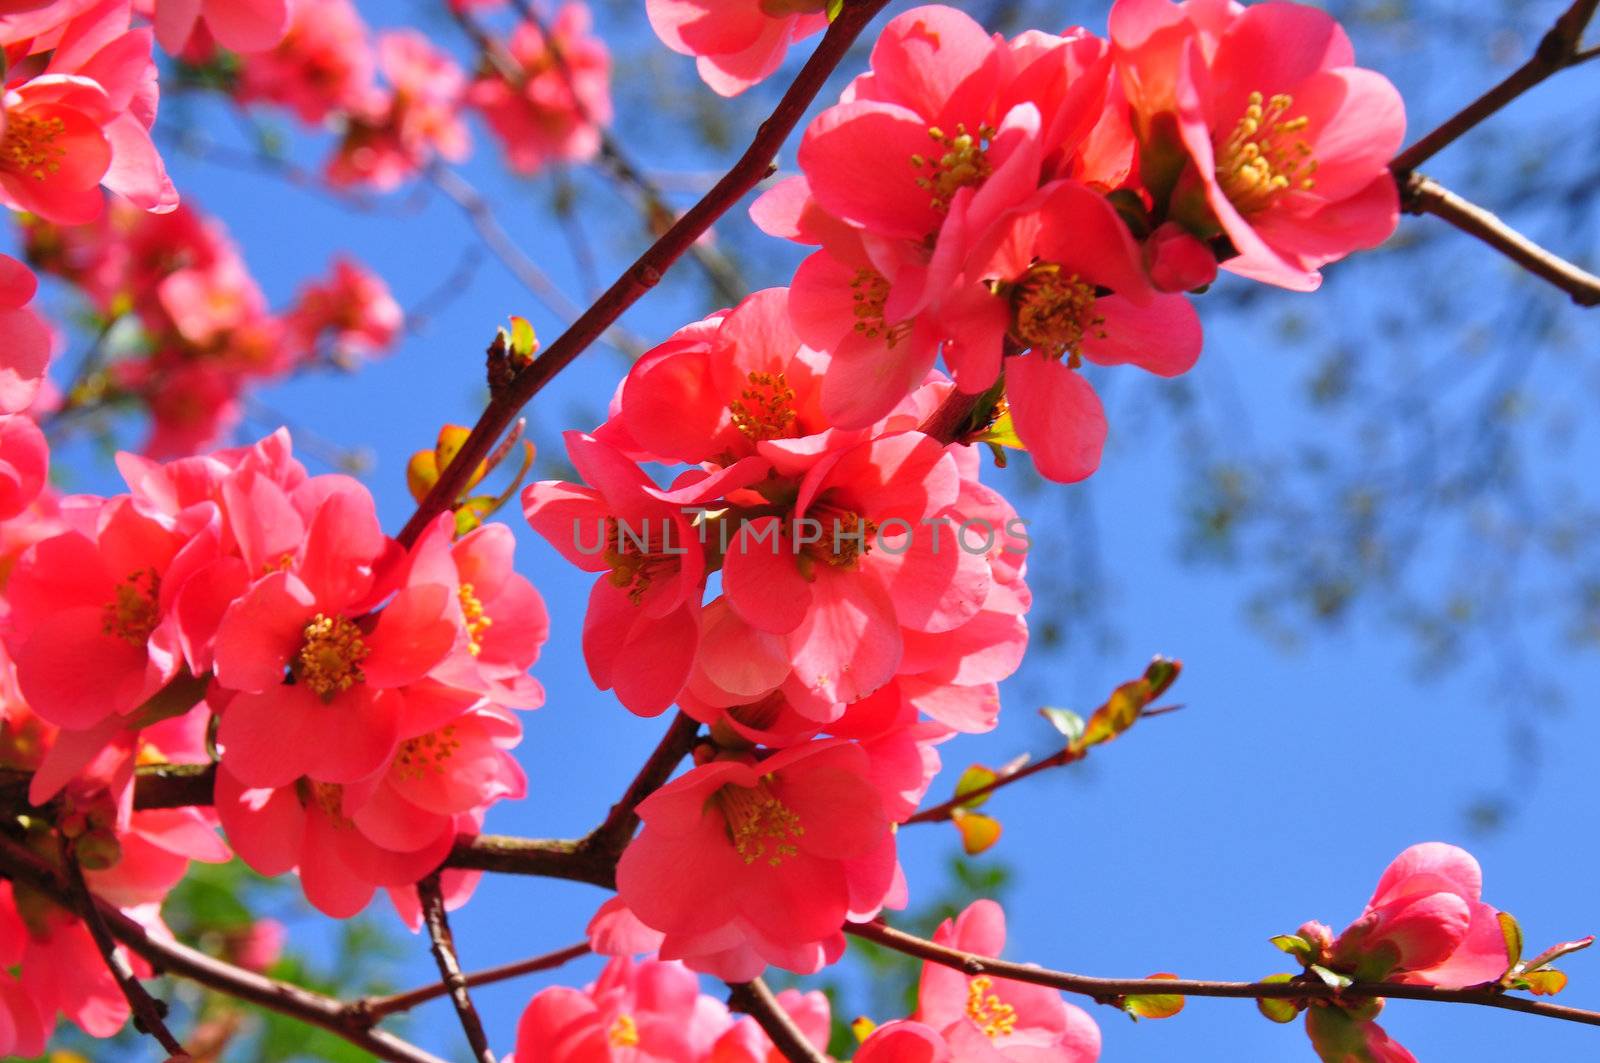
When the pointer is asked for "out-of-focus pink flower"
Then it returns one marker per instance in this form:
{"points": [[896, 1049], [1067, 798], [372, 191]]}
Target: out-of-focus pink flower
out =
{"points": [[24, 338], [798, 844], [984, 1017], [562, 98], [1339, 1037], [238, 25], [903, 1041], [24, 463], [736, 43], [353, 308], [258, 946], [323, 65], [418, 118], [1256, 124], [649, 1009], [746, 1042]]}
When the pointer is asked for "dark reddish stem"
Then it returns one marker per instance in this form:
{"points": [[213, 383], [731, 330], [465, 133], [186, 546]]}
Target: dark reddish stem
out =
{"points": [[756, 1000], [375, 1008], [431, 897]]}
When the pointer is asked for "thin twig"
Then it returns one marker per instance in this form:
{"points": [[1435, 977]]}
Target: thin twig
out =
{"points": [[612, 836], [431, 898], [1423, 195], [1108, 990], [943, 811], [1557, 50], [375, 1008], [543, 857], [147, 1013], [755, 999], [646, 271], [174, 958]]}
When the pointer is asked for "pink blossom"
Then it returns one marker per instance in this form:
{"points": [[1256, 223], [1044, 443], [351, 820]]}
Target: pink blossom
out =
{"points": [[24, 463], [746, 1042], [903, 1041], [1340, 1037], [353, 308], [988, 1018], [237, 25], [403, 129], [1287, 141], [323, 65], [555, 113], [736, 43], [798, 843], [24, 338]]}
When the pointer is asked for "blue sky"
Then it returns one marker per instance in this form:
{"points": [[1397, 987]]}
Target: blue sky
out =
{"points": [[1277, 795]]}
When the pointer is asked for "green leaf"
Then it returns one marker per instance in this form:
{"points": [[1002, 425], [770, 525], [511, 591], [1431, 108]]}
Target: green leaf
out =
{"points": [[975, 778], [1161, 673], [524, 343], [835, 8], [978, 831], [1154, 1005], [1278, 1009], [1294, 945], [1541, 983], [1069, 723], [1332, 979], [1511, 931]]}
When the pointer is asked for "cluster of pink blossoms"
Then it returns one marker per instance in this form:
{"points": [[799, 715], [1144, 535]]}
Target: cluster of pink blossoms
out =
{"points": [[544, 100], [362, 695]]}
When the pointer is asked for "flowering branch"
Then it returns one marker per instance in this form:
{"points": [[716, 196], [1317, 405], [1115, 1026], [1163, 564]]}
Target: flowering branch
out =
{"points": [[1423, 195], [646, 271], [374, 1008], [755, 999], [444, 953], [174, 958], [1110, 990], [147, 1011]]}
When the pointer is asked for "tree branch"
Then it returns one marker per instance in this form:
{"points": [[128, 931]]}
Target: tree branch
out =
{"points": [[1423, 195], [376, 1008], [646, 271], [148, 1014], [444, 954], [174, 958], [755, 999], [942, 811], [1558, 49], [547, 858], [612, 836], [1107, 990]]}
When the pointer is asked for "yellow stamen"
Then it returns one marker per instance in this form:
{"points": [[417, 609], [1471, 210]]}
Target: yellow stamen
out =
{"points": [[962, 162], [624, 1032], [765, 408], [1265, 155], [993, 1016], [761, 826], [1052, 313], [477, 622], [432, 750], [869, 291], [637, 557], [135, 610], [29, 148], [330, 658]]}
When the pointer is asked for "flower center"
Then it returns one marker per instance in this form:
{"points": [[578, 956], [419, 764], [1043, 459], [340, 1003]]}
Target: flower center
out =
{"points": [[1052, 313], [761, 826], [962, 161], [477, 622], [1265, 155], [993, 1016], [327, 796], [845, 537], [133, 612], [624, 1032], [330, 658], [633, 563], [869, 291], [29, 145], [429, 751], [765, 408]]}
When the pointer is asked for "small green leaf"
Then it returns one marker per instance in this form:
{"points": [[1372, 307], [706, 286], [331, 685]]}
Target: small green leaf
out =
{"points": [[1294, 945], [524, 343], [1541, 983], [835, 7], [978, 831], [1154, 1005], [1069, 723], [1511, 931], [1275, 1008], [1333, 979], [1161, 673], [975, 778]]}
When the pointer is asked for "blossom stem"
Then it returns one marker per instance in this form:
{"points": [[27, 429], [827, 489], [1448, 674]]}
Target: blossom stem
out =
{"points": [[1109, 990], [443, 942], [646, 271], [756, 1000], [147, 1012], [1423, 195], [375, 1008]]}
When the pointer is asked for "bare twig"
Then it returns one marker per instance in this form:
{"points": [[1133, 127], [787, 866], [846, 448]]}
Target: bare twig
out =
{"points": [[943, 811], [756, 1000], [174, 958], [1558, 49], [612, 836], [646, 271], [1108, 990], [547, 858], [1423, 195], [375, 1008], [444, 954], [148, 1014]]}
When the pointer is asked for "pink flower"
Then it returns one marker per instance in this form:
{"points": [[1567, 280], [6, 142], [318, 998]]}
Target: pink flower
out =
{"points": [[417, 119], [321, 682], [987, 1018], [1340, 1037], [1062, 280], [24, 463], [323, 65], [555, 113], [353, 308], [237, 25], [798, 844], [1282, 143], [736, 43], [24, 338], [746, 1042], [647, 1010], [903, 1041], [1425, 924], [258, 946]]}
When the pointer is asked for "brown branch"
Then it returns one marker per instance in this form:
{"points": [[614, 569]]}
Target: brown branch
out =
{"points": [[375, 1008], [756, 1000], [1557, 50], [1423, 195], [431, 898], [174, 958], [613, 835], [1108, 990], [546, 858], [646, 271], [942, 811], [148, 1014]]}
